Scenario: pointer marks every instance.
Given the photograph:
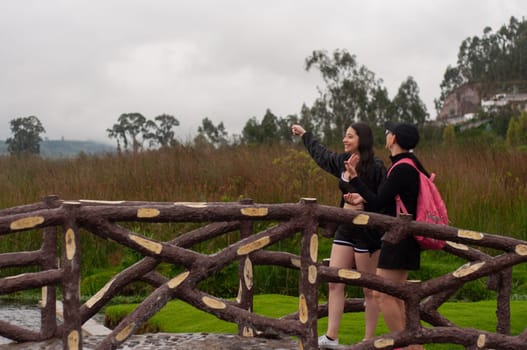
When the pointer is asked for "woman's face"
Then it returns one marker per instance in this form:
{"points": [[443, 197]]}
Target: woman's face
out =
{"points": [[351, 141], [390, 137]]}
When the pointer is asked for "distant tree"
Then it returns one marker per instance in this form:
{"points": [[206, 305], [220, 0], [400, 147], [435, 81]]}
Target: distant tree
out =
{"points": [[451, 80], [129, 129], [493, 57], [347, 95], [307, 120], [269, 127], [407, 106], [378, 112], [160, 131], [284, 133], [321, 117], [251, 132], [264, 132], [26, 136], [215, 135], [272, 129], [500, 119]]}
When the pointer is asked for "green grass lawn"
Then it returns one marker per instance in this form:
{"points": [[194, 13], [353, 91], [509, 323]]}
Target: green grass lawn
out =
{"points": [[179, 317]]}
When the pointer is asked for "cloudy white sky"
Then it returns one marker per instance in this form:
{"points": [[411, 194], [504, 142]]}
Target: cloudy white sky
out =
{"points": [[77, 65]]}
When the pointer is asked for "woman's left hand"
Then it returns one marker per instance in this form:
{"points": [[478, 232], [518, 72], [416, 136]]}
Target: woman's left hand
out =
{"points": [[351, 163]]}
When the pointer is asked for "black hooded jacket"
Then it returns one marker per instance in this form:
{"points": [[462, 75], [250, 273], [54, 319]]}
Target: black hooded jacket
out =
{"points": [[333, 163]]}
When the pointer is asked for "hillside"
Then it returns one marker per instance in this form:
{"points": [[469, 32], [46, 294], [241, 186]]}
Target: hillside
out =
{"points": [[66, 148]]}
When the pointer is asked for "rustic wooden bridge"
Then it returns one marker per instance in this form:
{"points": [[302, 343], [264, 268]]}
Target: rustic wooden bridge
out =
{"points": [[60, 268]]}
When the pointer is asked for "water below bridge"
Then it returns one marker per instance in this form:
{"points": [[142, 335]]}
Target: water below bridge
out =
{"points": [[28, 316]]}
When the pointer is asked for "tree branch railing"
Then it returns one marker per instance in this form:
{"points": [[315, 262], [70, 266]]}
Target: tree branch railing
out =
{"points": [[101, 218]]}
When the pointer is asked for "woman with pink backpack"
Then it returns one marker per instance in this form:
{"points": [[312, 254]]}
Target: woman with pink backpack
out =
{"points": [[395, 260]]}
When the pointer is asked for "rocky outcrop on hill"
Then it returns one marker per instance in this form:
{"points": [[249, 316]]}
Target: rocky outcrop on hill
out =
{"points": [[465, 99], [468, 98]]}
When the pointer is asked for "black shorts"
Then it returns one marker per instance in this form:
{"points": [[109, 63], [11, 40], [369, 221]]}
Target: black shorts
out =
{"points": [[405, 255], [362, 240]]}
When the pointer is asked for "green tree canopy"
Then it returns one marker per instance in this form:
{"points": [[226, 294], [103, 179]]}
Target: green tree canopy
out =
{"points": [[407, 106], [271, 129], [215, 135], [264, 132], [129, 129], [307, 120], [160, 131], [26, 136], [251, 132], [349, 94], [493, 57]]}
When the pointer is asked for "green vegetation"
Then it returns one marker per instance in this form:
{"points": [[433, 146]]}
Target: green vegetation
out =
{"points": [[26, 136], [179, 317], [484, 189], [481, 172], [494, 58], [132, 130], [517, 131]]}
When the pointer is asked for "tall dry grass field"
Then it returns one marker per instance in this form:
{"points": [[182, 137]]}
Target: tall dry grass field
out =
{"points": [[485, 189], [264, 173]]}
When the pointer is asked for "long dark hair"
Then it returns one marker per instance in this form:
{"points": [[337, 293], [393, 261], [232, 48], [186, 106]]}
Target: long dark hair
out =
{"points": [[366, 152]]}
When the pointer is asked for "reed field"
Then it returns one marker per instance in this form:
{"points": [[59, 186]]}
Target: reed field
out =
{"points": [[484, 188]]}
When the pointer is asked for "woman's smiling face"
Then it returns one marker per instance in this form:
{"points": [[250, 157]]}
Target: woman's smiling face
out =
{"points": [[351, 141]]}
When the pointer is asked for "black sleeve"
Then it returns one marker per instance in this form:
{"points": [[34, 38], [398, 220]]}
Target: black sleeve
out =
{"points": [[402, 178], [378, 179], [380, 173], [330, 161], [372, 181]]}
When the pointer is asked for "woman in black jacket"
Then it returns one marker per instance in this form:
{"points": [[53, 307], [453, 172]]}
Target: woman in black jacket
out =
{"points": [[352, 246]]}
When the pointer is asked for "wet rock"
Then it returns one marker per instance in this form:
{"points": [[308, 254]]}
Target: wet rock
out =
{"points": [[172, 341]]}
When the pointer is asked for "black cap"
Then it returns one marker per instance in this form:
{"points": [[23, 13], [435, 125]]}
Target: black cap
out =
{"points": [[406, 134]]}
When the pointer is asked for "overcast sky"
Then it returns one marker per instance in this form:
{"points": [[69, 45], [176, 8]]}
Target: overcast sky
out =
{"points": [[78, 65]]}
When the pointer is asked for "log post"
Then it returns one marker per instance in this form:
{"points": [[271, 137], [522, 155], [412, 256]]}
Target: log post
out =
{"points": [[503, 309], [308, 288], [72, 333], [245, 296], [48, 313]]}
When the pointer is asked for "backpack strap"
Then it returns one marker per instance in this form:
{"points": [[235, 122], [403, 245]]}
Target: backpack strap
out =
{"points": [[399, 205], [403, 161], [411, 163]]}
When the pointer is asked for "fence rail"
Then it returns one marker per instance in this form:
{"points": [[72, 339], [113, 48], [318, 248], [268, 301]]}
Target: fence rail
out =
{"points": [[422, 298]]}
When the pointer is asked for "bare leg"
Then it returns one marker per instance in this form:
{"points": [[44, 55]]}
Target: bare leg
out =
{"points": [[392, 308], [341, 256], [367, 262]]}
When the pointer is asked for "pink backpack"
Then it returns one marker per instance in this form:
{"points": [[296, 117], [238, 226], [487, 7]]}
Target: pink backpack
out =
{"points": [[430, 206]]}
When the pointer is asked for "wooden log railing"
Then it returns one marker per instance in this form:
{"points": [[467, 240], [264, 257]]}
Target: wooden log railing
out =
{"points": [[422, 298]]}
